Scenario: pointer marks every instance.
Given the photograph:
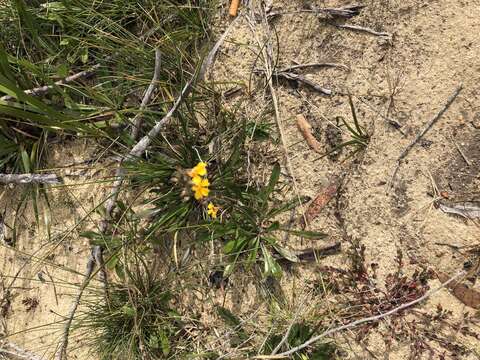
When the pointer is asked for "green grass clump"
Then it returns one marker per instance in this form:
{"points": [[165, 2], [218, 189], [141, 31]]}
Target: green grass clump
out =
{"points": [[137, 319], [43, 42]]}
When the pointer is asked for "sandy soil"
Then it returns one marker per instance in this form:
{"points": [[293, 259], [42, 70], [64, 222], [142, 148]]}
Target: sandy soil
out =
{"points": [[435, 47]]}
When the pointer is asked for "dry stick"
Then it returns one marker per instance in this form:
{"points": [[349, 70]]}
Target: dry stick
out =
{"points": [[136, 151], [309, 65], [13, 349], [301, 79], [46, 88], [51, 179], [364, 29], [462, 154], [362, 321], [432, 122], [284, 339], [138, 119]]}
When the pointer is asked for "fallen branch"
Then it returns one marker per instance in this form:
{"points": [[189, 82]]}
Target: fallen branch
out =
{"points": [[51, 179], [429, 125], [364, 29], [12, 349], [466, 209], [362, 321], [312, 255], [347, 12], [136, 151], [46, 88], [138, 119], [306, 130], [300, 79]]}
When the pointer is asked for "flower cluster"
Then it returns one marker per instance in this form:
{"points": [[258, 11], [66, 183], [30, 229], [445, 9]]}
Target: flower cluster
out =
{"points": [[200, 182], [212, 210]]}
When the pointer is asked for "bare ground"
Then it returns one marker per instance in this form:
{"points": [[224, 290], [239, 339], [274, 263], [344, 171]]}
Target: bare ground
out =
{"points": [[435, 47]]}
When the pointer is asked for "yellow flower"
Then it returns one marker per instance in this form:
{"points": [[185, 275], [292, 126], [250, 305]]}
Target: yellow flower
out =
{"points": [[200, 187], [196, 180], [212, 210], [199, 170], [200, 192]]}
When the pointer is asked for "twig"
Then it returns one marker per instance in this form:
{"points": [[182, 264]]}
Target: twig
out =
{"points": [[462, 154], [136, 151], [62, 349], [364, 29], [306, 130], [46, 88], [138, 119], [362, 321], [51, 179], [405, 152], [309, 65]]}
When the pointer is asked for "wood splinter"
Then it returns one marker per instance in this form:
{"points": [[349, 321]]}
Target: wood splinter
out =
{"points": [[306, 130], [234, 8]]}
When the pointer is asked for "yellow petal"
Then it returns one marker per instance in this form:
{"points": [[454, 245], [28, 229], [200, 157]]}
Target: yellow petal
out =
{"points": [[198, 194], [201, 168], [197, 180], [205, 183], [204, 191], [210, 207]]}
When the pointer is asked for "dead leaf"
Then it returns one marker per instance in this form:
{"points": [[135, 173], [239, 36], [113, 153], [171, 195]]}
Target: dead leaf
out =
{"points": [[463, 293], [322, 199], [306, 130]]}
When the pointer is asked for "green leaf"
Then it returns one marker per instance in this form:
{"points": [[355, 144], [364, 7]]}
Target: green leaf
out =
{"points": [[287, 254], [271, 267], [120, 271], [164, 342], [25, 162], [307, 234], [84, 55], [112, 262], [154, 342], [229, 269], [274, 176], [128, 310]]}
